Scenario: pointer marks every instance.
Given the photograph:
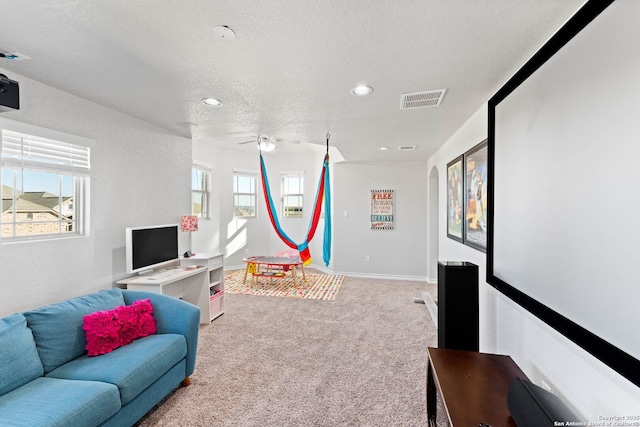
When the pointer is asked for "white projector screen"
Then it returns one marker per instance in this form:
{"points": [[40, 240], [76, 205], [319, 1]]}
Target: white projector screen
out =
{"points": [[564, 209]]}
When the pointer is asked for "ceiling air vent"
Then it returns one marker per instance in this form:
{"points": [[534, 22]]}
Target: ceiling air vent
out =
{"points": [[430, 98], [407, 147], [13, 56]]}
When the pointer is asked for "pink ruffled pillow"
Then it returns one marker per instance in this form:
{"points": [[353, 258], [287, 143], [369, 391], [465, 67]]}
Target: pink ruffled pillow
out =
{"points": [[107, 330]]}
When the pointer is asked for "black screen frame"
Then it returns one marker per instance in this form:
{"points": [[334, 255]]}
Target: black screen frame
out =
{"points": [[618, 360]]}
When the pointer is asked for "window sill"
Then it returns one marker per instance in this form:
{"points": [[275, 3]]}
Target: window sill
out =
{"points": [[43, 238]]}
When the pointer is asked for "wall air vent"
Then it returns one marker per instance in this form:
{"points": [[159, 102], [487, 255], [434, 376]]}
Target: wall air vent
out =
{"points": [[430, 98], [407, 147]]}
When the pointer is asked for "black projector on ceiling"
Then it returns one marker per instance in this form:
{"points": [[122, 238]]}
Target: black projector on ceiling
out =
{"points": [[9, 94]]}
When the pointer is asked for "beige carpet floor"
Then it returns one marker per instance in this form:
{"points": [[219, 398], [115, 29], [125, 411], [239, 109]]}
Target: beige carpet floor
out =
{"points": [[359, 360]]}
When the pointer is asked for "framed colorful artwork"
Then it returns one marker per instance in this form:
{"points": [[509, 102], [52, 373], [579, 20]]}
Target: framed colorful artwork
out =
{"points": [[455, 184], [475, 187]]}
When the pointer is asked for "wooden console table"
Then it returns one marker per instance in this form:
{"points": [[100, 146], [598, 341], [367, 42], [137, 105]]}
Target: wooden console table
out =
{"points": [[472, 387]]}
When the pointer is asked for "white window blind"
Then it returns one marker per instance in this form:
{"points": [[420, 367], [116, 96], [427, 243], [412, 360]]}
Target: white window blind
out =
{"points": [[20, 150]]}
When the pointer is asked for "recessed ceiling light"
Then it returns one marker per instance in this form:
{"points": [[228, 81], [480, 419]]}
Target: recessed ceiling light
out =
{"points": [[223, 33], [361, 90], [383, 148], [212, 101]]}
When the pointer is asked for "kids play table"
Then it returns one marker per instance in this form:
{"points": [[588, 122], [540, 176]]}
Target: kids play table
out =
{"points": [[274, 263]]}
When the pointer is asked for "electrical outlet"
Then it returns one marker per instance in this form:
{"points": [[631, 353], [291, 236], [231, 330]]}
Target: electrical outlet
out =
{"points": [[246, 251], [367, 258]]}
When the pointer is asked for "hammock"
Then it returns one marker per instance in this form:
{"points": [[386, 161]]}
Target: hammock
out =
{"points": [[323, 192]]}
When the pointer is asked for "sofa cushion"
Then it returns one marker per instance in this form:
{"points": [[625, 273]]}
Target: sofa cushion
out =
{"points": [[55, 402], [57, 328], [137, 321], [132, 368], [102, 332], [109, 329], [19, 360]]}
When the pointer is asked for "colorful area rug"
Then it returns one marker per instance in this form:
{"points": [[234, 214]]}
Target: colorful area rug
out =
{"points": [[317, 286]]}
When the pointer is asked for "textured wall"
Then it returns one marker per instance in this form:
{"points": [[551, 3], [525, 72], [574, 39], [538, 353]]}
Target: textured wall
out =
{"points": [[140, 175], [401, 252]]}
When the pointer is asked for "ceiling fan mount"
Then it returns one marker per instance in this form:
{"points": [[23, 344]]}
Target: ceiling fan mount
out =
{"points": [[268, 143]]}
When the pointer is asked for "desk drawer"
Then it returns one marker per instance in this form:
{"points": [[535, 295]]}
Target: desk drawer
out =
{"points": [[214, 262]]}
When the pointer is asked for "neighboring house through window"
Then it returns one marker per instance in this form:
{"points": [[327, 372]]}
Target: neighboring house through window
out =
{"points": [[200, 184], [45, 182], [292, 191], [244, 194]]}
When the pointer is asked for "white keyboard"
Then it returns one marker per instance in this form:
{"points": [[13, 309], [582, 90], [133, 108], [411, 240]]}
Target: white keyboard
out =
{"points": [[162, 275]]}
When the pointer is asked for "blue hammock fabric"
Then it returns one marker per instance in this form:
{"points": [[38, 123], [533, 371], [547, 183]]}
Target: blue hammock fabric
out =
{"points": [[326, 244]]}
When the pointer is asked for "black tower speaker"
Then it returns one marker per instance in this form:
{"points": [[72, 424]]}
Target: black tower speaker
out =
{"points": [[458, 323]]}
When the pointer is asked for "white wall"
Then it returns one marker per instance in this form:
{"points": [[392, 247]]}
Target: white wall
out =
{"points": [[399, 253], [208, 237], [469, 135], [545, 356], [434, 225], [140, 175]]}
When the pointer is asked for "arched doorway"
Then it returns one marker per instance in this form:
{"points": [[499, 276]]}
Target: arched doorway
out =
{"points": [[433, 220]]}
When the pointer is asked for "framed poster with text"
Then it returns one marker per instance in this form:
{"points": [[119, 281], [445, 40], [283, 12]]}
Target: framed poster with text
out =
{"points": [[455, 183], [382, 209]]}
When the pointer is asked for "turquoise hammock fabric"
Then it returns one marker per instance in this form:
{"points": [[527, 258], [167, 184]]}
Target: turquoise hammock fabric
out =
{"points": [[323, 193]]}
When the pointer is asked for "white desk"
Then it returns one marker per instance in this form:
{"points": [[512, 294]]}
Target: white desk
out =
{"points": [[191, 285]]}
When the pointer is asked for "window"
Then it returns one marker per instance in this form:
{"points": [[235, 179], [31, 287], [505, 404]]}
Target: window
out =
{"points": [[292, 194], [244, 195], [45, 182], [200, 192]]}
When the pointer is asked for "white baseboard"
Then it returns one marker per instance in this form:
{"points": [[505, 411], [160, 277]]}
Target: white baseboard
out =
{"points": [[321, 268], [432, 308], [382, 276]]}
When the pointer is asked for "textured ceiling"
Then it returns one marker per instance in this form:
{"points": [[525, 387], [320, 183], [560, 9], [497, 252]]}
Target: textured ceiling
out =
{"points": [[288, 71]]}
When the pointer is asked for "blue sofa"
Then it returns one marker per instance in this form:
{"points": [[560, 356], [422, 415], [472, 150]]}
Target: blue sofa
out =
{"points": [[47, 379]]}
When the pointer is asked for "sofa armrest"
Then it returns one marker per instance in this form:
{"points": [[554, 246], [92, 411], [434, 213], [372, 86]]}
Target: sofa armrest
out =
{"points": [[173, 316]]}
